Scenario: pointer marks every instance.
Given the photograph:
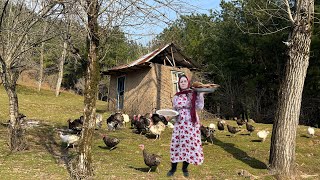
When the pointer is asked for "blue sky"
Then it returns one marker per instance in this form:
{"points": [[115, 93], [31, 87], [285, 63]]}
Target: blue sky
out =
{"points": [[148, 32]]}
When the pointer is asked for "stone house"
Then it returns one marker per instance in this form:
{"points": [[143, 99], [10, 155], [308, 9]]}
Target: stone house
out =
{"points": [[149, 82]]}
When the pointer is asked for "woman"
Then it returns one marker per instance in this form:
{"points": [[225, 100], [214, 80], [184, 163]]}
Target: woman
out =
{"points": [[186, 139]]}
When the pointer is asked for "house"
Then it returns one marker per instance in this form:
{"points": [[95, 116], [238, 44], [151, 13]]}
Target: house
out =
{"points": [[149, 82]]}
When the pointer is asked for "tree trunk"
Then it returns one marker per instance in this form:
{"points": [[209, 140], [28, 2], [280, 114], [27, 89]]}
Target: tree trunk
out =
{"points": [[84, 168], [42, 57], [17, 140], [283, 140], [61, 63]]}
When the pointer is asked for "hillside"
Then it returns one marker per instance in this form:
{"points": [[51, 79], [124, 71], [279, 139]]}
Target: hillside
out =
{"points": [[47, 157]]}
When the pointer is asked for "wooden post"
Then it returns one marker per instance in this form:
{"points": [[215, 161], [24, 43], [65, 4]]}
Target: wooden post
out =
{"points": [[174, 64]]}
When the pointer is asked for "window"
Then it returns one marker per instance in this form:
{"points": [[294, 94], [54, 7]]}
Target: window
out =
{"points": [[120, 92], [175, 78]]}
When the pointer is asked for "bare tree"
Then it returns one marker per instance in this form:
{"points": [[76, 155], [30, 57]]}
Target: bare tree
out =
{"points": [[299, 15], [283, 140], [18, 29]]}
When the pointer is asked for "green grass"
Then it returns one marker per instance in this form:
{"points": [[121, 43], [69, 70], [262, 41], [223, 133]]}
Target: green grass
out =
{"points": [[47, 157]]}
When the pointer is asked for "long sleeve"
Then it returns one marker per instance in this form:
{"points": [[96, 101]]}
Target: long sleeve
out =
{"points": [[199, 101], [174, 102]]}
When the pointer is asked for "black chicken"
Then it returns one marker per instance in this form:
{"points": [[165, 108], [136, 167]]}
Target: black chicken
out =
{"points": [[151, 160], [232, 130], [240, 122], [220, 125], [250, 128], [75, 125]]}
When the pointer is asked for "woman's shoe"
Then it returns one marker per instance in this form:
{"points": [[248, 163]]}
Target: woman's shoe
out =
{"points": [[170, 173]]}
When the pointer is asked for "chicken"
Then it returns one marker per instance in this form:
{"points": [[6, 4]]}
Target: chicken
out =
{"points": [[110, 142], [240, 122], [310, 131], [157, 129], [151, 160], [111, 126], [126, 119], [250, 128], [220, 125], [232, 130], [69, 139], [263, 135]]}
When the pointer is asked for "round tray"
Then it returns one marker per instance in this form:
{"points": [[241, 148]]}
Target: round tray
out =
{"points": [[167, 112], [208, 90]]}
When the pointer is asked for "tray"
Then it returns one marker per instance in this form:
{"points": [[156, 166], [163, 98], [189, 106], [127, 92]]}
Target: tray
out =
{"points": [[208, 90], [167, 112]]}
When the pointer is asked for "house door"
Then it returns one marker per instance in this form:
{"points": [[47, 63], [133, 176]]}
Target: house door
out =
{"points": [[120, 92]]}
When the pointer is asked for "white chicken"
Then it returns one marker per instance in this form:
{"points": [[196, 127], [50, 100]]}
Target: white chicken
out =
{"points": [[157, 129], [263, 135], [69, 139], [126, 119], [310, 131], [170, 125]]}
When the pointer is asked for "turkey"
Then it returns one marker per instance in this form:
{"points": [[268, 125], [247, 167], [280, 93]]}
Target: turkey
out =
{"points": [[151, 160], [157, 129], [117, 120], [207, 133], [126, 119], [220, 125], [232, 130], [142, 123], [263, 135], [240, 122], [110, 142], [99, 119], [310, 131], [69, 139], [250, 128]]}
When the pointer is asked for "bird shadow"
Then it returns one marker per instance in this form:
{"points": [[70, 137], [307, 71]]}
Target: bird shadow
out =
{"points": [[239, 154], [142, 169], [256, 140], [108, 148], [305, 136]]}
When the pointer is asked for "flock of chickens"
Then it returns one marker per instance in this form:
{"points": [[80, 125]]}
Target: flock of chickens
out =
{"points": [[153, 124]]}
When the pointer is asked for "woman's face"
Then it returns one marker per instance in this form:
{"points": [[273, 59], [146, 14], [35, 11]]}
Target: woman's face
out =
{"points": [[183, 83]]}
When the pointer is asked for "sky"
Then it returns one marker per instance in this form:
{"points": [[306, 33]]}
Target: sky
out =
{"points": [[147, 33]]}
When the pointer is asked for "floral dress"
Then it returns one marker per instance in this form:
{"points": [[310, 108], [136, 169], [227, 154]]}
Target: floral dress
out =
{"points": [[186, 137]]}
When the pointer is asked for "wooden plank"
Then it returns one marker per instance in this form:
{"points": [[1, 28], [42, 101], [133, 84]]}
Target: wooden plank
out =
{"points": [[169, 60], [174, 63]]}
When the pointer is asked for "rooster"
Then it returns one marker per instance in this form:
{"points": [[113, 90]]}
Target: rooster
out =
{"points": [[151, 160], [263, 135], [207, 133], [110, 142], [69, 139]]}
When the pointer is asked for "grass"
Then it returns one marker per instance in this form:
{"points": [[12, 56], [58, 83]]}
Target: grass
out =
{"points": [[47, 157]]}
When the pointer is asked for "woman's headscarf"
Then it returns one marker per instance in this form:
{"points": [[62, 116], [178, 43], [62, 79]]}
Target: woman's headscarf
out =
{"points": [[193, 99]]}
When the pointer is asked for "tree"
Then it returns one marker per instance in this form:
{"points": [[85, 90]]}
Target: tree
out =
{"points": [[18, 26], [283, 140]]}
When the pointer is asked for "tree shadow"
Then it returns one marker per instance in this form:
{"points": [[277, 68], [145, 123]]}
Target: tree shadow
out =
{"points": [[240, 154], [59, 151]]}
